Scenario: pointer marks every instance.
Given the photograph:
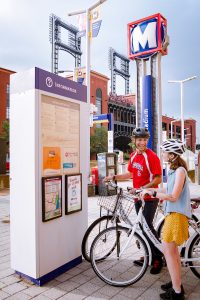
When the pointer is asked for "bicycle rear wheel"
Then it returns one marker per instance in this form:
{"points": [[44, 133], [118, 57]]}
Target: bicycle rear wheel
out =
{"points": [[194, 252], [114, 269], [93, 230]]}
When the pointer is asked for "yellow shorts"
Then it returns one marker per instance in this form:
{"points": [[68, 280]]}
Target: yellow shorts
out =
{"points": [[175, 228]]}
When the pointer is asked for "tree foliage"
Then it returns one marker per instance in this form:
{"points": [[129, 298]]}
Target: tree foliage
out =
{"points": [[5, 131], [99, 140], [132, 145]]}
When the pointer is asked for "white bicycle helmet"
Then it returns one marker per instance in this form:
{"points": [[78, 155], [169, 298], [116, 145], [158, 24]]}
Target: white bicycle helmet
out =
{"points": [[173, 146]]}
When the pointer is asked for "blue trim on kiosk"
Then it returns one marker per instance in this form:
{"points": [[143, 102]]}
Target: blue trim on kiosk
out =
{"points": [[53, 274]]}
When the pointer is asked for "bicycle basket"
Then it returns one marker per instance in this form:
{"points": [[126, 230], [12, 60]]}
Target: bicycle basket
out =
{"points": [[126, 207], [108, 202]]}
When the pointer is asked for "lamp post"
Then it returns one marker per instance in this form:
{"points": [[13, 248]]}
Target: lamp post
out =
{"points": [[88, 38], [182, 115]]}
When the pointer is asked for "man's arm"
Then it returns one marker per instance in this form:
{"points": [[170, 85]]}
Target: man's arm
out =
{"points": [[155, 182], [124, 176]]}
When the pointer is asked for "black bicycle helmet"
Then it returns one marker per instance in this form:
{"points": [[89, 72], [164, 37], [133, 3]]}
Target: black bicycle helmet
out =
{"points": [[173, 146], [141, 132]]}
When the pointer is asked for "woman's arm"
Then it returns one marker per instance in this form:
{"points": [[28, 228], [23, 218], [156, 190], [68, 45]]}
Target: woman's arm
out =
{"points": [[178, 187]]}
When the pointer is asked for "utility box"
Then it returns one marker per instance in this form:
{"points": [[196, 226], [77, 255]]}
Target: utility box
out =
{"points": [[49, 147], [107, 166]]}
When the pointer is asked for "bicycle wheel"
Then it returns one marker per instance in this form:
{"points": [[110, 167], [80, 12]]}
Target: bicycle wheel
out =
{"points": [[93, 230], [191, 230], [194, 252], [115, 269]]}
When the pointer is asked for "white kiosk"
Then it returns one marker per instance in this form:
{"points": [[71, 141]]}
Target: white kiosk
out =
{"points": [[49, 142]]}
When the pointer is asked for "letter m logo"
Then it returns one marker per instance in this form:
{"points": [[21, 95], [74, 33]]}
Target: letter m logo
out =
{"points": [[146, 36]]}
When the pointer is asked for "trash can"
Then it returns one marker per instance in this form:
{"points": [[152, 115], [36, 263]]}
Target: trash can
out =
{"points": [[95, 180]]}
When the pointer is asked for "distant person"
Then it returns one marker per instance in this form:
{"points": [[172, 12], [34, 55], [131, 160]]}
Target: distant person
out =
{"points": [[177, 209], [145, 170]]}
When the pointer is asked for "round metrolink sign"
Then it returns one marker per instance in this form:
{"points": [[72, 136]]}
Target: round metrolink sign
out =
{"points": [[147, 36]]}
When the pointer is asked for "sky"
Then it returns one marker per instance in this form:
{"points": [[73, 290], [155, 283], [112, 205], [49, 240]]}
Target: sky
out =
{"points": [[24, 32]]}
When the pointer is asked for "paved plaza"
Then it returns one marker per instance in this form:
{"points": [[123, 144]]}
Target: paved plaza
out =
{"points": [[81, 282]]}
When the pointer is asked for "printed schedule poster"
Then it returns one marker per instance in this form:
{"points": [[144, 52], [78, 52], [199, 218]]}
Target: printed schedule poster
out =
{"points": [[73, 193], [60, 126], [51, 198]]}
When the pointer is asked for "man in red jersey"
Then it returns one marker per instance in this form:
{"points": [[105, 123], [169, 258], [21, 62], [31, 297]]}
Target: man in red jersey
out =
{"points": [[145, 170]]}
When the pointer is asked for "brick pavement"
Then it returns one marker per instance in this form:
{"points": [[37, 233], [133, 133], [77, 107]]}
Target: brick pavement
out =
{"points": [[81, 282]]}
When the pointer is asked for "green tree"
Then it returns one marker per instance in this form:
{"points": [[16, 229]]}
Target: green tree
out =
{"points": [[5, 131], [99, 140], [132, 145]]}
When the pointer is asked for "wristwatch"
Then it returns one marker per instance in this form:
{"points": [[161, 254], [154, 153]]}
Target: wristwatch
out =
{"points": [[154, 194]]}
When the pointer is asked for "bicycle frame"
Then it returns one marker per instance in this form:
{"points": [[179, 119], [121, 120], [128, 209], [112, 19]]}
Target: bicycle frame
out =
{"points": [[140, 220], [136, 228]]}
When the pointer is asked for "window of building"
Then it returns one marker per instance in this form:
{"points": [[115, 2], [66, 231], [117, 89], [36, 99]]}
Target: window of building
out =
{"points": [[7, 101], [99, 101], [122, 115], [115, 114], [99, 104], [164, 126]]}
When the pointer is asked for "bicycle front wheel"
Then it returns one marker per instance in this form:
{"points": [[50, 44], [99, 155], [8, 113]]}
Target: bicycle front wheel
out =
{"points": [[116, 269], [93, 230], [194, 252]]}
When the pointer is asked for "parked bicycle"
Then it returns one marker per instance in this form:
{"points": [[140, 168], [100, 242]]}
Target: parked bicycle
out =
{"points": [[115, 249], [109, 203]]}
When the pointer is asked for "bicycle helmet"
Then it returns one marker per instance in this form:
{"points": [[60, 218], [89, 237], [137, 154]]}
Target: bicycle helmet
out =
{"points": [[140, 132], [173, 146]]}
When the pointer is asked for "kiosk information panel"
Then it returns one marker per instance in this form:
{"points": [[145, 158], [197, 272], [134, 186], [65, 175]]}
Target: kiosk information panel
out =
{"points": [[49, 120], [60, 122]]}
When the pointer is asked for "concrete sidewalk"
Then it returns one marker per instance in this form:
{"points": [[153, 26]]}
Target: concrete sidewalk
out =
{"points": [[81, 282]]}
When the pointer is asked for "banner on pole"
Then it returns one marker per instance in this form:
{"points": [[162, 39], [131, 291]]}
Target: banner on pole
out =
{"points": [[146, 115], [95, 23]]}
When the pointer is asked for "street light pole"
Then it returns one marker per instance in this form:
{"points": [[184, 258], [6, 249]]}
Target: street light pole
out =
{"points": [[182, 111], [88, 39], [87, 68], [182, 115]]}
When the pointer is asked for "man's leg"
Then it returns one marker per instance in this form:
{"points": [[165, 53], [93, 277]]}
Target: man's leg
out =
{"points": [[149, 212]]}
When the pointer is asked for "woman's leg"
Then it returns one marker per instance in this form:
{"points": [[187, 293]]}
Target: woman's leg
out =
{"points": [[173, 264]]}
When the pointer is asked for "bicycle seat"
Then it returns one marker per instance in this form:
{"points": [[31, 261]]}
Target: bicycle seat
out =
{"points": [[197, 200]]}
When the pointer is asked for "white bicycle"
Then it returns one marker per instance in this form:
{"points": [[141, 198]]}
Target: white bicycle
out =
{"points": [[115, 249]]}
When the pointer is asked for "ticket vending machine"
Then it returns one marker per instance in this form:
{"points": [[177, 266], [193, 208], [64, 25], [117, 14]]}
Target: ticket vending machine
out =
{"points": [[107, 166], [49, 146]]}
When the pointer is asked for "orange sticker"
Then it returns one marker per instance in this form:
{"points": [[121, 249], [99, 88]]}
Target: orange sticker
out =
{"points": [[51, 158]]}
